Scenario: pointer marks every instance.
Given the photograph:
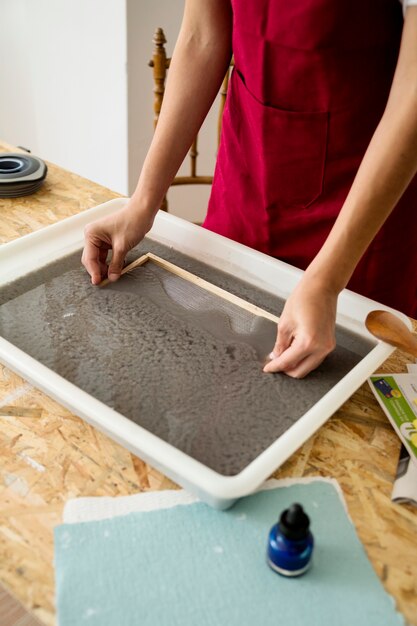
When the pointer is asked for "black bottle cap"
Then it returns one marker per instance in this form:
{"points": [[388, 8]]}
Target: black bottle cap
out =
{"points": [[294, 523]]}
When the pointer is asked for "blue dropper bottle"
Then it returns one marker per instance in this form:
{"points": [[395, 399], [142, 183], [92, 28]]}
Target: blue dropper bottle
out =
{"points": [[290, 543]]}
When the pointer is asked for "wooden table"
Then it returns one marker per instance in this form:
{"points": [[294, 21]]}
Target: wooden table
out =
{"points": [[48, 455]]}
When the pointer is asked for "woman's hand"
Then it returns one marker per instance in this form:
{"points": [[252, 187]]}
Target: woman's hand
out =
{"points": [[204, 47], [119, 232], [306, 330]]}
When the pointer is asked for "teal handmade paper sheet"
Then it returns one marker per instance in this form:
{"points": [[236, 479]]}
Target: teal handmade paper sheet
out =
{"points": [[193, 565]]}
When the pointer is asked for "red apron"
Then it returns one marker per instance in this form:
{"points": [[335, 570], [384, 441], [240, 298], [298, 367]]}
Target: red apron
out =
{"points": [[310, 84]]}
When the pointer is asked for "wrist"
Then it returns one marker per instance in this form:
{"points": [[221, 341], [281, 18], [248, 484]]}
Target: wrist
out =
{"points": [[139, 209], [139, 205], [327, 283], [148, 195], [137, 218], [331, 269]]}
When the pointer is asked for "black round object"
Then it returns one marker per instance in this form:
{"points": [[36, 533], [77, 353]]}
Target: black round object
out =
{"points": [[20, 174], [294, 523], [11, 165]]}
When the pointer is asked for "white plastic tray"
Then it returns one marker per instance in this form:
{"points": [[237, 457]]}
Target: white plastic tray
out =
{"points": [[34, 251]]}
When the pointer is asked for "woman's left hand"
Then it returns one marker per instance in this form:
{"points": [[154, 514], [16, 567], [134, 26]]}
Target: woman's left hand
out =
{"points": [[306, 330]]}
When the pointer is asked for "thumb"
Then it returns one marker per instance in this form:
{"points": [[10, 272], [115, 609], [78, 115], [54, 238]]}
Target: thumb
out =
{"points": [[282, 343], [283, 340], [116, 263]]}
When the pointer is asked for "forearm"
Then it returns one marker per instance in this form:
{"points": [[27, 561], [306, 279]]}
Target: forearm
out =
{"points": [[386, 170], [201, 57]]}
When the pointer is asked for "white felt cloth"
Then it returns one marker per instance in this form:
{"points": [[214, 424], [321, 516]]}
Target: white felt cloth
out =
{"points": [[94, 509]]}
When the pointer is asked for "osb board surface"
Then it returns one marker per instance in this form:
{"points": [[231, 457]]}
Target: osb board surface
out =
{"points": [[61, 195], [48, 455], [13, 613]]}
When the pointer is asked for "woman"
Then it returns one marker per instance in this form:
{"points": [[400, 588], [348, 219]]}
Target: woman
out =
{"points": [[317, 158]]}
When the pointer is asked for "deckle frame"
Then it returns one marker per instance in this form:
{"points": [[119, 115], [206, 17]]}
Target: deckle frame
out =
{"points": [[196, 280]]}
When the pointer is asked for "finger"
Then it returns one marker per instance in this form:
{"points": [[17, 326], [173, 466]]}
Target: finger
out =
{"points": [[103, 261], [103, 270], [306, 366], [283, 340], [91, 261], [291, 358], [116, 264], [288, 360], [103, 252], [299, 359]]}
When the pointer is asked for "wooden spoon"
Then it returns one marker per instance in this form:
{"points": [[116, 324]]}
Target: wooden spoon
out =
{"points": [[388, 327]]}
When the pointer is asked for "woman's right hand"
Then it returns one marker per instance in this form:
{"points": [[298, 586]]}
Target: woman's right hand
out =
{"points": [[118, 232]]}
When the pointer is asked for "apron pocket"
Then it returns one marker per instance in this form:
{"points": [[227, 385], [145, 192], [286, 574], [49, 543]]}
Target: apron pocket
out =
{"points": [[285, 150]]}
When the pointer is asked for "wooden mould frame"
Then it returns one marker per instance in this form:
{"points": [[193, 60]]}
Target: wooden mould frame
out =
{"points": [[196, 280]]}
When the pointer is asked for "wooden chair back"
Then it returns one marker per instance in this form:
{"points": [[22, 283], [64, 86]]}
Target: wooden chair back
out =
{"points": [[160, 65]]}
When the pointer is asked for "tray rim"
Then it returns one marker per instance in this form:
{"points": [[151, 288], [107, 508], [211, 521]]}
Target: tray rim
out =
{"points": [[65, 237]]}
